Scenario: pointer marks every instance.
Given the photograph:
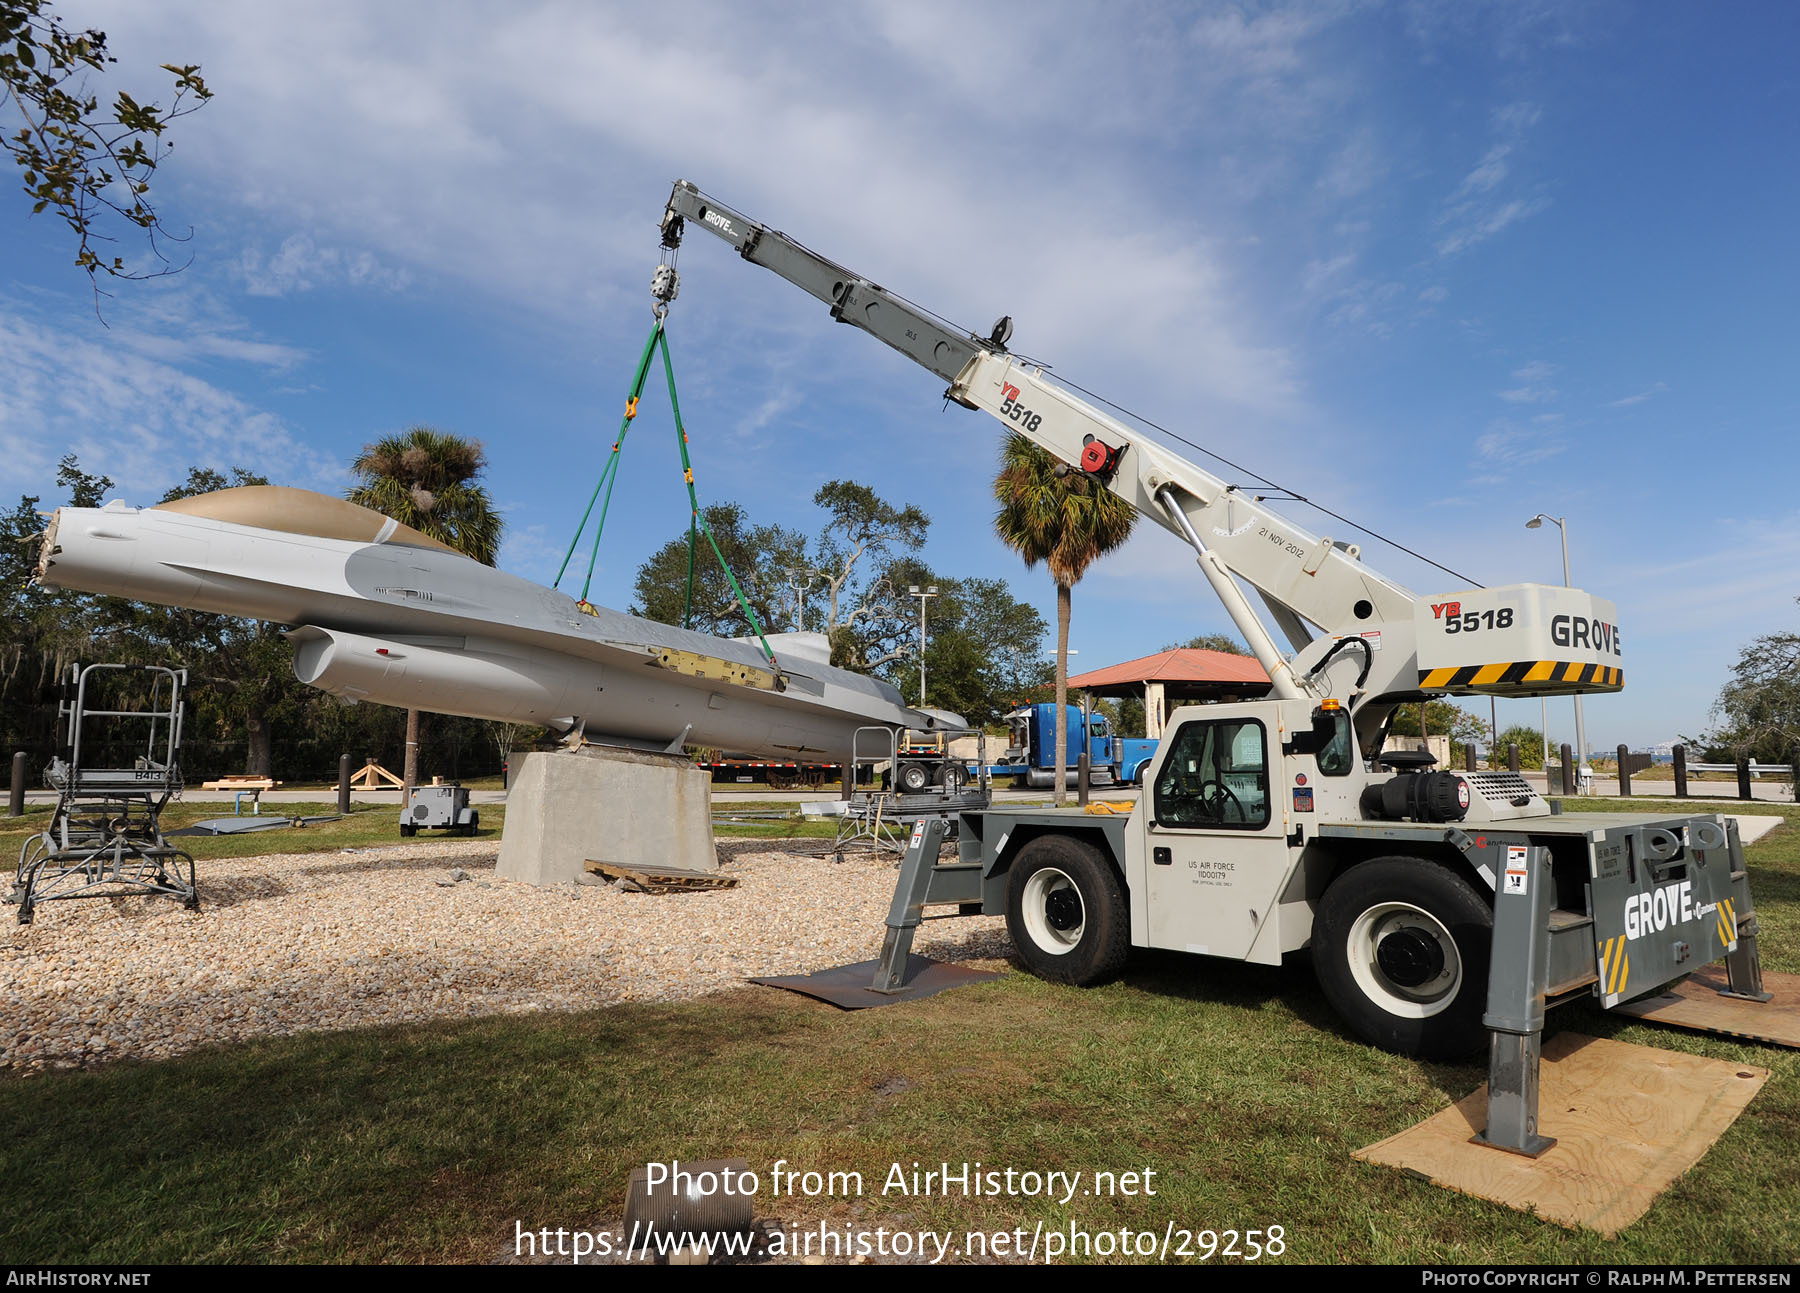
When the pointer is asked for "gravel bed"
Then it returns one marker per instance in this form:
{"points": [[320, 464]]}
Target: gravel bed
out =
{"points": [[292, 942]]}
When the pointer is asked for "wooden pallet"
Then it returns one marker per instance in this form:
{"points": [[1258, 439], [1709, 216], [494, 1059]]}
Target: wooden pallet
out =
{"points": [[662, 879]]}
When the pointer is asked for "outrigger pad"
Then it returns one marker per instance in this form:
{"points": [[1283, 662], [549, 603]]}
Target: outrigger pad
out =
{"points": [[847, 986], [1628, 1121], [1697, 1003]]}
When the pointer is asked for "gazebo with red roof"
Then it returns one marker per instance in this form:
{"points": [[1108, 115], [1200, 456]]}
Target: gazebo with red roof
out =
{"points": [[1187, 675]]}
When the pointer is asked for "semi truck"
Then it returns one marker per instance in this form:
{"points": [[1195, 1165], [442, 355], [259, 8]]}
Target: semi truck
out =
{"points": [[1030, 756], [1442, 909]]}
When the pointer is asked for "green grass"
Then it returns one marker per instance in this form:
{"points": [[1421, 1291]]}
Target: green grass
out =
{"points": [[1234, 1083], [328, 789], [752, 821], [367, 826]]}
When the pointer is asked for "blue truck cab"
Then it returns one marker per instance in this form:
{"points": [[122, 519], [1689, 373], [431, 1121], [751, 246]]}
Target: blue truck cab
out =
{"points": [[1031, 747]]}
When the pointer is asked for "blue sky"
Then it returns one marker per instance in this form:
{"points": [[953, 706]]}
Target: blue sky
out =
{"points": [[1438, 266]]}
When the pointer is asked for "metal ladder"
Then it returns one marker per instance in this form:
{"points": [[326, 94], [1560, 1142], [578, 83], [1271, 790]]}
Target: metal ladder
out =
{"points": [[105, 837]]}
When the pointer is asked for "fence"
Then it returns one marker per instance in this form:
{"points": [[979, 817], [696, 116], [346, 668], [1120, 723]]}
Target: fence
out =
{"points": [[1561, 778]]}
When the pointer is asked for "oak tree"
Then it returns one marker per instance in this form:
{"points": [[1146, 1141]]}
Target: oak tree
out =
{"points": [[91, 165]]}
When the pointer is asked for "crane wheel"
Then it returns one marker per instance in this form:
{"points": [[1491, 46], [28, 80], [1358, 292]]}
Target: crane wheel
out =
{"points": [[1066, 911], [1401, 947]]}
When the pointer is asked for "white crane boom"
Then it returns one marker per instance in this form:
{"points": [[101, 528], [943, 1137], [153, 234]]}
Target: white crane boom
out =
{"points": [[1518, 640]]}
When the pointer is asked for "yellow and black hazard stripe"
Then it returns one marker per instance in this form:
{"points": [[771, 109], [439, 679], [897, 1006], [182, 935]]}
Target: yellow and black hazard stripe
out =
{"points": [[1525, 674], [1727, 915], [1615, 965]]}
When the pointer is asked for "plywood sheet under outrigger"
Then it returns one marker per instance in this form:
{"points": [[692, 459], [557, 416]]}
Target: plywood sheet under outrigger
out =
{"points": [[1628, 1121], [1696, 1003]]}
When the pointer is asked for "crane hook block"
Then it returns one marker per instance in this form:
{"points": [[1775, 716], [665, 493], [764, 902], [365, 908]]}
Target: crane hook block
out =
{"points": [[1099, 458], [665, 283]]}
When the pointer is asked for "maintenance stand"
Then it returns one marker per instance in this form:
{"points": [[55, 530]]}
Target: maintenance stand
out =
{"points": [[105, 838]]}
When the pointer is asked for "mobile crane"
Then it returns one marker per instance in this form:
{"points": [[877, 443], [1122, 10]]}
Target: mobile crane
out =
{"points": [[1438, 905]]}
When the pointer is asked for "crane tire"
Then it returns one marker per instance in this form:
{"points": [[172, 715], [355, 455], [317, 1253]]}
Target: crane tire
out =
{"points": [[1401, 948], [1066, 911]]}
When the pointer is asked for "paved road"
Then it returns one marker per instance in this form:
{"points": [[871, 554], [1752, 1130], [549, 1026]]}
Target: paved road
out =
{"points": [[1766, 791]]}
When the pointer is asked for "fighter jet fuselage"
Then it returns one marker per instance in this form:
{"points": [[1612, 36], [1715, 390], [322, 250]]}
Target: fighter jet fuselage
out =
{"points": [[382, 613]]}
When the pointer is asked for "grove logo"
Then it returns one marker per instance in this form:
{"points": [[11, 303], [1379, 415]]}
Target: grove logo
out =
{"points": [[1653, 912]]}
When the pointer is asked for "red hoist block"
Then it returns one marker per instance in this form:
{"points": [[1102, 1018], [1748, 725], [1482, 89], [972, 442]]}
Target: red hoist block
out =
{"points": [[1097, 457]]}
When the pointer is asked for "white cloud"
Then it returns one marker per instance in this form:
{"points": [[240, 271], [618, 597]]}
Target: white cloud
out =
{"points": [[1477, 210], [1639, 398], [1742, 577], [1507, 445], [1535, 376], [1487, 175], [1367, 306], [180, 321], [1354, 168], [1320, 274], [1528, 394], [532, 551], [128, 414], [300, 265], [525, 158], [1517, 30], [1516, 118], [1257, 45], [1473, 226], [211, 345]]}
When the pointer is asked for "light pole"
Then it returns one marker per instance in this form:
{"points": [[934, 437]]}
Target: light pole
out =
{"points": [[1581, 751], [800, 579], [922, 593]]}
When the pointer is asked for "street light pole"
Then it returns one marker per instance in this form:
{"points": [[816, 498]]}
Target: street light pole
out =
{"points": [[922, 594], [1581, 750]]}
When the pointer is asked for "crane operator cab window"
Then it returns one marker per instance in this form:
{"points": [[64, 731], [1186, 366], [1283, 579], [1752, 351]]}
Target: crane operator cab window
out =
{"points": [[1216, 776]]}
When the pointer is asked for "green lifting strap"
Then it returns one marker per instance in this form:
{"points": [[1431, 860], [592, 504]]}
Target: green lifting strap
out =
{"points": [[609, 475], [698, 520]]}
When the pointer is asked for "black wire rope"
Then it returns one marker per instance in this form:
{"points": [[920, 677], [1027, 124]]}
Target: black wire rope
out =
{"points": [[1120, 408], [1264, 480]]}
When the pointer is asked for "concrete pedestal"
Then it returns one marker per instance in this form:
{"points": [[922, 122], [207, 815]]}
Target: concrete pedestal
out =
{"points": [[608, 805]]}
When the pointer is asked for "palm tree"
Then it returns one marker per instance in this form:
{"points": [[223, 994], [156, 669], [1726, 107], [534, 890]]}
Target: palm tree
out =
{"points": [[1053, 514], [423, 478]]}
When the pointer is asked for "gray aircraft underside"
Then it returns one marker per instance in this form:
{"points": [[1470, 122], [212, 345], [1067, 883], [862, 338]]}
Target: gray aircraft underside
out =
{"points": [[380, 612]]}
